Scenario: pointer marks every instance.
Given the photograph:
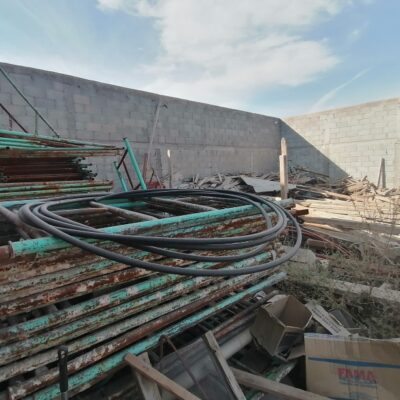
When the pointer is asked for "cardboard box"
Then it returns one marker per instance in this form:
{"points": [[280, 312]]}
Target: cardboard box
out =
{"points": [[353, 368], [279, 327]]}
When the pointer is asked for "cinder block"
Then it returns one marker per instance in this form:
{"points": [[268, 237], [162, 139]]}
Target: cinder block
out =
{"points": [[5, 98], [17, 100], [78, 98]]}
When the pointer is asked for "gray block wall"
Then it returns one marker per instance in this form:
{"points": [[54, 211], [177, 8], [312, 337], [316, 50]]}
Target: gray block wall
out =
{"points": [[348, 141], [203, 139]]}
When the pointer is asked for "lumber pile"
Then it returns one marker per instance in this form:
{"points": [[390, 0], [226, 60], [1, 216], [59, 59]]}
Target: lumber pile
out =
{"points": [[353, 211], [349, 210]]}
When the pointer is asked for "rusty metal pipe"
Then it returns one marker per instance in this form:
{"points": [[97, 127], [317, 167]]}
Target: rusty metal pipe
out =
{"points": [[52, 338], [103, 365], [128, 214], [212, 292]]}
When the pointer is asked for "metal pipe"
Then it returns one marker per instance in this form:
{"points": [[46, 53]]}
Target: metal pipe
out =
{"points": [[39, 193], [212, 293], [89, 376], [53, 139], [11, 117], [122, 158], [53, 185], [15, 221], [153, 131], [49, 278], [190, 206], [50, 243], [231, 227], [37, 113], [120, 177], [128, 214], [127, 174], [118, 299], [135, 165], [25, 304]]}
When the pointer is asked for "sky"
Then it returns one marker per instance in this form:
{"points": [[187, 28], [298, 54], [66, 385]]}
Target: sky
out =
{"points": [[274, 57]]}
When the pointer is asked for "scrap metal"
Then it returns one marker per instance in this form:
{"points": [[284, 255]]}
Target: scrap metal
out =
{"points": [[53, 293], [35, 166]]}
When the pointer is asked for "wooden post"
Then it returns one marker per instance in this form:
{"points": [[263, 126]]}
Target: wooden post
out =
{"points": [[148, 388], [382, 175], [169, 167], [219, 357], [283, 170], [280, 390], [151, 373]]}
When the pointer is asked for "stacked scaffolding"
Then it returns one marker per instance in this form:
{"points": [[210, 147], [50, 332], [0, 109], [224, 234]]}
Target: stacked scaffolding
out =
{"points": [[53, 294], [34, 166]]}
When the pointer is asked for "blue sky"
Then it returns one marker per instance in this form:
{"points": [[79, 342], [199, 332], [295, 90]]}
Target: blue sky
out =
{"points": [[275, 57]]}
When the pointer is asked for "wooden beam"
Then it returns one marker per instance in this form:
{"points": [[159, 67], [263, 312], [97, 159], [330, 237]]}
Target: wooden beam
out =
{"points": [[278, 389], [169, 167], [151, 373], [219, 357], [382, 175], [148, 388], [284, 151], [283, 170], [283, 176]]}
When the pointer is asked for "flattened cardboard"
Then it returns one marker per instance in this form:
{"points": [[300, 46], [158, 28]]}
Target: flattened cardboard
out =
{"points": [[279, 326], [353, 368], [330, 323]]}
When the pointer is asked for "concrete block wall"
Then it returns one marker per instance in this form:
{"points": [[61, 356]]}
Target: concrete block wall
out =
{"points": [[348, 141], [203, 138]]}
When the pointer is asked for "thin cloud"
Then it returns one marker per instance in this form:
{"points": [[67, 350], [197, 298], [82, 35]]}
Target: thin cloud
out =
{"points": [[327, 97]]}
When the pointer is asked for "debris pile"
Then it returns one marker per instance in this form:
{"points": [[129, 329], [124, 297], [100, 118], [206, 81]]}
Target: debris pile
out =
{"points": [[349, 210]]}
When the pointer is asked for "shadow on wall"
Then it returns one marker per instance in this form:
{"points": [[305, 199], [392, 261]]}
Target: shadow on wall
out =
{"points": [[303, 153]]}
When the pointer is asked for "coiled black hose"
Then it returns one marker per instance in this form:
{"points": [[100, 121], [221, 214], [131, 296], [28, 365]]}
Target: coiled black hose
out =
{"points": [[41, 216]]}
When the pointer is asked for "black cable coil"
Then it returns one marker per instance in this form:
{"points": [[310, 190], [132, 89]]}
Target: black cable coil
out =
{"points": [[41, 216]]}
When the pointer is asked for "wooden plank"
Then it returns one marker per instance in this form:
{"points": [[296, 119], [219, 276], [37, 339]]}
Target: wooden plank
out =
{"points": [[213, 345], [283, 169], [278, 389], [348, 222], [284, 151], [283, 176], [148, 388], [170, 167], [382, 175], [151, 373]]}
